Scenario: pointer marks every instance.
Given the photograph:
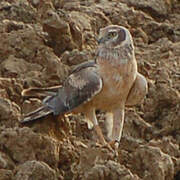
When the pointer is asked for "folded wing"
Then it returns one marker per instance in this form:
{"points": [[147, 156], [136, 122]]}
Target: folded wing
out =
{"points": [[80, 87]]}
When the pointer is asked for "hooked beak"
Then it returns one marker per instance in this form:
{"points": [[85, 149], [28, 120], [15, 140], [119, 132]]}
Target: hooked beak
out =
{"points": [[99, 40]]}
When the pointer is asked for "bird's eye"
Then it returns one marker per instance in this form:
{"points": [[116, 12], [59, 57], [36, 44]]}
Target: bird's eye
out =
{"points": [[111, 34]]}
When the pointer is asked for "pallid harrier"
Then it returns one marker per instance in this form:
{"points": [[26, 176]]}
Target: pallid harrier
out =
{"points": [[109, 83]]}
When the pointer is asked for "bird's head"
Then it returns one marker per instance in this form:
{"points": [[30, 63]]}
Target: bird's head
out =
{"points": [[114, 36]]}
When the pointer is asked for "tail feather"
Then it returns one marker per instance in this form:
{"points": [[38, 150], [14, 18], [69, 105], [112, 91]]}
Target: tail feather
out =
{"points": [[40, 92], [37, 114]]}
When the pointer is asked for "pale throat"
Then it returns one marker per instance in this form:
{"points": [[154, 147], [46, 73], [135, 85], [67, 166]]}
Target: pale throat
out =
{"points": [[120, 55]]}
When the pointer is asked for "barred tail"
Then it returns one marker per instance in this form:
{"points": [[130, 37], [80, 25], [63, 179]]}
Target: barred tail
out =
{"points": [[40, 92]]}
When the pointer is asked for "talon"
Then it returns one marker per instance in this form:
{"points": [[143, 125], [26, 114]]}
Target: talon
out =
{"points": [[108, 147], [114, 144]]}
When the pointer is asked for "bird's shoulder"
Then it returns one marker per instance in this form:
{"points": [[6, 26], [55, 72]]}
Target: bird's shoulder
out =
{"points": [[82, 66], [84, 76]]}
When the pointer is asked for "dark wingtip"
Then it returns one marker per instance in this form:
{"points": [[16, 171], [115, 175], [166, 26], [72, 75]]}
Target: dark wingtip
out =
{"points": [[36, 115], [29, 120], [26, 120]]}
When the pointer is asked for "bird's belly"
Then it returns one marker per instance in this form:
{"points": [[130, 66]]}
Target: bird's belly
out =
{"points": [[116, 87], [114, 94]]}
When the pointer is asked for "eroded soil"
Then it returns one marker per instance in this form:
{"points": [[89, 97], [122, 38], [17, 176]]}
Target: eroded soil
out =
{"points": [[40, 42]]}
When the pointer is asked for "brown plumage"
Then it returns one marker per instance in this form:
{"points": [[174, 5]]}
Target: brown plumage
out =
{"points": [[109, 83]]}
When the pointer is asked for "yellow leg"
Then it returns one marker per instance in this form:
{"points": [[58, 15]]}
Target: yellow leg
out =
{"points": [[100, 135], [91, 115], [118, 123]]}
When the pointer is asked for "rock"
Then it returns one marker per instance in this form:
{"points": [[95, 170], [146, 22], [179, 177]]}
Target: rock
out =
{"points": [[70, 5], [11, 89], [68, 156], [6, 162], [23, 145], [109, 171], [44, 67], [5, 174], [16, 67], [95, 17], [9, 113], [156, 31], [176, 168], [167, 146], [34, 3], [135, 127], [11, 25], [155, 8], [75, 57], [101, 165], [58, 29], [34, 170], [152, 163], [18, 11]]}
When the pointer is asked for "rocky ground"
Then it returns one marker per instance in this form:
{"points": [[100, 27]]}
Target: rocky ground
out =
{"points": [[40, 42]]}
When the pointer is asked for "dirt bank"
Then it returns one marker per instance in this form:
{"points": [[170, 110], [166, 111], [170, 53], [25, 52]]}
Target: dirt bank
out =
{"points": [[40, 42]]}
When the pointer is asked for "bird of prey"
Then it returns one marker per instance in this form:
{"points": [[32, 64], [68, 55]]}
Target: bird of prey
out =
{"points": [[109, 83]]}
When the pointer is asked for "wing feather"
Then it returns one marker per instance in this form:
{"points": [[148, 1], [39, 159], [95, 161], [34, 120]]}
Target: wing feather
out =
{"points": [[80, 87], [40, 92]]}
